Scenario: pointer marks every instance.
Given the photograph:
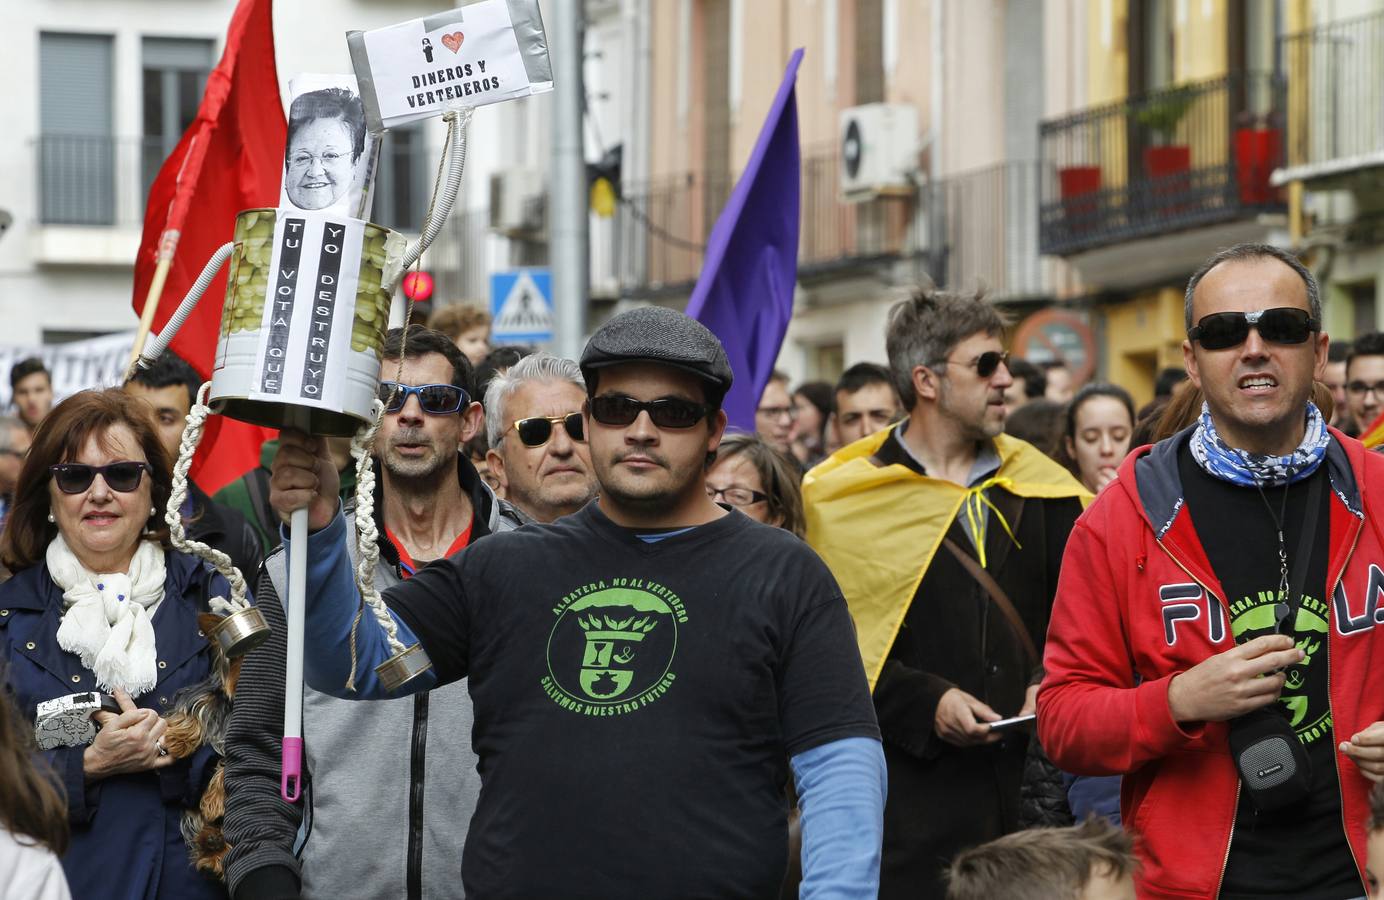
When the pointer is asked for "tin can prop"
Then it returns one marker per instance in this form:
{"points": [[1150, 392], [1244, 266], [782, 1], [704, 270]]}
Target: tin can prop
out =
{"points": [[306, 310]]}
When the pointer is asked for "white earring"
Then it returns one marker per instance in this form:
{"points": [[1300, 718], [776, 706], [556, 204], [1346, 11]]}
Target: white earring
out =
{"points": [[153, 511], [50, 516]]}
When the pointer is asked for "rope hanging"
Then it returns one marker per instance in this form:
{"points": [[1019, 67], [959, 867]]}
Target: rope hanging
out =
{"points": [[367, 544], [192, 436], [445, 186]]}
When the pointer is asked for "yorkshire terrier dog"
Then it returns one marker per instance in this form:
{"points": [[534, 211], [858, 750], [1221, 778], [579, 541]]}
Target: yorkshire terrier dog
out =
{"points": [[200, 716]]}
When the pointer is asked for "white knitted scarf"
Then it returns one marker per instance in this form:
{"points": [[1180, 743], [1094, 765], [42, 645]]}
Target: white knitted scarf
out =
{"points": [[106, 618]]}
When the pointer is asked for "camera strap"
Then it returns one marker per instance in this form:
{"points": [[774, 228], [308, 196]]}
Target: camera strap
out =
{"points": [[1290, 597]]}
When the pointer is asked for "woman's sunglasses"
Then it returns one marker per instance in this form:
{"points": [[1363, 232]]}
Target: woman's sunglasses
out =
{"points": [[670, 412], [535, 430], [74, 478], [435, 399], [1280, 325]]}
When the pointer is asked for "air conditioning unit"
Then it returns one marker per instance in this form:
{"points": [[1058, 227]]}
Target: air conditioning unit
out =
{"points": [[517, 202], [879, 150]]}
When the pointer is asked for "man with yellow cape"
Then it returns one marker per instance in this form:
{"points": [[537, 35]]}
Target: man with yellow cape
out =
{"points": [[946, 537]]}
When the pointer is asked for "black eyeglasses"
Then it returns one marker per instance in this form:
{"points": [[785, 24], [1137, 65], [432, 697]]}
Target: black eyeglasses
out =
{"points": [[74, 478], [1280, 325], [535, 430], [985, 364], [737, 496], [1361, 388], [669, 412], [435, 399]]}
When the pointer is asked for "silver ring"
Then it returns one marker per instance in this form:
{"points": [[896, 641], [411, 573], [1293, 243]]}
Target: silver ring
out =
{"points": [[163, 751]]}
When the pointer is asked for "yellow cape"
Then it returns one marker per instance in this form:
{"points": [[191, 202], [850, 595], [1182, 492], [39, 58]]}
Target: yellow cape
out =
{"points": [[878, 528]]}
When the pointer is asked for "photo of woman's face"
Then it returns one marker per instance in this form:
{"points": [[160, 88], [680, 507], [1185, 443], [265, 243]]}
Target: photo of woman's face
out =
{"points": [[320, 167]]}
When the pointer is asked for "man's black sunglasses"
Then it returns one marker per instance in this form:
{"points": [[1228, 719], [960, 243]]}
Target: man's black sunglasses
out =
{"points": [[669, 412], [74, 478], [435, 399], [985, 364], [1280, 325], [535, 430]]}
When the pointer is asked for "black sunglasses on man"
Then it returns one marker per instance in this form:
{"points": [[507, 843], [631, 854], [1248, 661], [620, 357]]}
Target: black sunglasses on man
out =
{"points": [[1279, 325]]}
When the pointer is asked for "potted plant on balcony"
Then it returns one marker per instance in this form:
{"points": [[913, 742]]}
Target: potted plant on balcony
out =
{"points": [[1166, 165], [1160, 116]]}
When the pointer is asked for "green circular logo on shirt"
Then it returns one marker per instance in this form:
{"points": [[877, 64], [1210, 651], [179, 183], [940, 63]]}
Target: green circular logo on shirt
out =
{"points": [[611, 649], [1255, 616]]}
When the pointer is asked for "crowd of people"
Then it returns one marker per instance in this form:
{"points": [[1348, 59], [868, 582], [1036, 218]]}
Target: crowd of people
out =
{"points": [[954, 626]]}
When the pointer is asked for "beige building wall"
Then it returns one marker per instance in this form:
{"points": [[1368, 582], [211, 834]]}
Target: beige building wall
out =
{"points": [[1065, 48], [670, 97], [1107, 52], [972, 128]]}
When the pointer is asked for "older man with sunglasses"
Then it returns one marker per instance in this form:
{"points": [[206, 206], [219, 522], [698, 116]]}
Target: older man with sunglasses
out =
{"points": [[536, 430], [392, 785], [646, 671], [946, 536], [1216, 635]]}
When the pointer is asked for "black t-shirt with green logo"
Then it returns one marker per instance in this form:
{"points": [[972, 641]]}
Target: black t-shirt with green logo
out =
{"points": [[1299, 852], [636, 704]]}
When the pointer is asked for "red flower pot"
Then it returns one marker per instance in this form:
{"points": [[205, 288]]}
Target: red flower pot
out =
{"points": [[1079, 186], [1257, 151], [1169, 172]]}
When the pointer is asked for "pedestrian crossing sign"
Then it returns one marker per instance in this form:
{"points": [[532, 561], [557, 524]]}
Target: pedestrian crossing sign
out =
{"points": [[521, 306]]}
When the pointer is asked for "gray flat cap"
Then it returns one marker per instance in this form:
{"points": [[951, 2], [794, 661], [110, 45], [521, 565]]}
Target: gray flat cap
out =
{"points": [[659, 335]]}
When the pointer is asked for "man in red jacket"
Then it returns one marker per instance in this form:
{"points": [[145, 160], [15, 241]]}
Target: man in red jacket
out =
{"points": [[1225, 590]]}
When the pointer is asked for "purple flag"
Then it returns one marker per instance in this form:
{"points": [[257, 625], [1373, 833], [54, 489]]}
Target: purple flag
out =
{"points": [[745, 292]]}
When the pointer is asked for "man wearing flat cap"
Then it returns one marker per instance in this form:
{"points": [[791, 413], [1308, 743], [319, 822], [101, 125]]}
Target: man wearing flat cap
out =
{"points": [[645, 672]]}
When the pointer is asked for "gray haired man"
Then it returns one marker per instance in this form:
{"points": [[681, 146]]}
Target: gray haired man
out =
{"points": [[533, 420]]}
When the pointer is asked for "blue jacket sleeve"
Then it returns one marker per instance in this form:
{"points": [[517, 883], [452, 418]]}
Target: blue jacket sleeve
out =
{"points": [[332, 600], [69, 769], [841, 789]]}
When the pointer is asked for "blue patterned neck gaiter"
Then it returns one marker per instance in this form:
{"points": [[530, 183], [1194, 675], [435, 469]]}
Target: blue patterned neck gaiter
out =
{"points": [[1246, 469]]}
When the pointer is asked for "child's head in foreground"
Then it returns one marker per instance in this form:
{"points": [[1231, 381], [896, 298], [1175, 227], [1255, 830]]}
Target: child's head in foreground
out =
{"points": [[1374, 865], [1090, 861]]}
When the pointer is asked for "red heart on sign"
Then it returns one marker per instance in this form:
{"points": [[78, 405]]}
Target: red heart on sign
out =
{"points": [[453, 41]]}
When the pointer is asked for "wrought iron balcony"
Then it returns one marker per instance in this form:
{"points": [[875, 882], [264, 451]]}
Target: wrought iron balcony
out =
{"points": [[1185, 157], [1335, 76], [661, 228]]}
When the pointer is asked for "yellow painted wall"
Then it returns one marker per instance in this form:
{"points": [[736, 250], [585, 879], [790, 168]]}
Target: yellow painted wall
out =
{"points": [[1199, 41], [1107, 70], [1143, 334]]}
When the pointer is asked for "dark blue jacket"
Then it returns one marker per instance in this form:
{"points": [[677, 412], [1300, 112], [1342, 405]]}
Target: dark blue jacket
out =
{"points": [[126, 843]]}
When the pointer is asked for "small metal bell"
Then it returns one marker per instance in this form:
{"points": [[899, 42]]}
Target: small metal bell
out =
{"points": [[241, 632], [403, 667]]}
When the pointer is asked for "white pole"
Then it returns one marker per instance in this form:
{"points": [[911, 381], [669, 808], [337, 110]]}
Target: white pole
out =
{"points": [[568, 185], [291, 786]]}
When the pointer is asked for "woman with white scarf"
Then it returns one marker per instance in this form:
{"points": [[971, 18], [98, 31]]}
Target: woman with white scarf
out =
{"points": [[99, 603]]}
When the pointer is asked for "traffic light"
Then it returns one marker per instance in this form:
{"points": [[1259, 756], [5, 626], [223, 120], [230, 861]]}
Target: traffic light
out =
{"points": [[603, 182]]}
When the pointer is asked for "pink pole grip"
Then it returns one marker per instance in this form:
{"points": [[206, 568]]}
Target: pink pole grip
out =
{"points": [[291, 788]]}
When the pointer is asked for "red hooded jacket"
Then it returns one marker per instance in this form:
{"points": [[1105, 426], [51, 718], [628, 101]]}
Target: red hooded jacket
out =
{"points": [[1137, 603]]}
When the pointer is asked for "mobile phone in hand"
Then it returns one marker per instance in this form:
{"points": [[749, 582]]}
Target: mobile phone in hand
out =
{"points": [[1016, 722]]}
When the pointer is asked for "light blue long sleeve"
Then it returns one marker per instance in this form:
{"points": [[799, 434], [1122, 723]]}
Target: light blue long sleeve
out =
{"points": [[841, 790], [332, 600]]}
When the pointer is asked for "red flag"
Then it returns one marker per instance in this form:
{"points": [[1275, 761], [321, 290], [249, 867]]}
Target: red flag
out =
{"points": [[230, 159]]}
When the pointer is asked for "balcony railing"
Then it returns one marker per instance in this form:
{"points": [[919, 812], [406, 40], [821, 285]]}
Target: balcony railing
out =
{"points": [[1335, 77], [1184, 157], [661, 228], [986, 223], [94, 180], [836, 235]]}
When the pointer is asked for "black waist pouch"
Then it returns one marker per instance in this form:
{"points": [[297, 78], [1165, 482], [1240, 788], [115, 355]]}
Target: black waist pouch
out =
{"points": [[1273, 765]]}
